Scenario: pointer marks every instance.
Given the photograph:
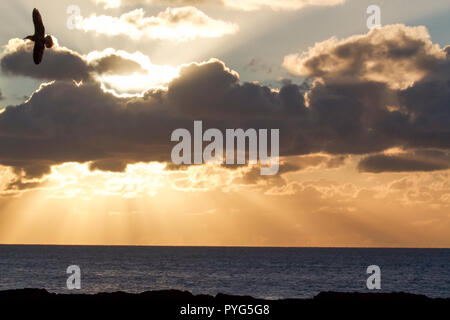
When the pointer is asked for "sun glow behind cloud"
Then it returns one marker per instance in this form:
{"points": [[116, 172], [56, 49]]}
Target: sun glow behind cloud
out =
{"points": [[151, 77], [135, 84]]}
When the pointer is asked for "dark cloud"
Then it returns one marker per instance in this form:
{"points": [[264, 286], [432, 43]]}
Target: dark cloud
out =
{"points": [[303, 162], [387, 88], [58, 63], [117, 65], [253, 176], [32, 170], [64, 122], [290, 165], [61, 63], [395, 54], [108, 165], [420, 160], [19, 184]]}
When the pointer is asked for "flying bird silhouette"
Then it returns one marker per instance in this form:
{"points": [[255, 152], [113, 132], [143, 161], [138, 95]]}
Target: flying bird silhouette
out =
{"points": [[40, 40]]}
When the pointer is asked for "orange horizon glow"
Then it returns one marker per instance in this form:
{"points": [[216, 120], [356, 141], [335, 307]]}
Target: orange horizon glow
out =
{"points": [[150, 206]]}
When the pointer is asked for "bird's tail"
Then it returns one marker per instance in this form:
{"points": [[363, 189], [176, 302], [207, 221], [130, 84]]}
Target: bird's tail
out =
{"points": [[48, 41]]}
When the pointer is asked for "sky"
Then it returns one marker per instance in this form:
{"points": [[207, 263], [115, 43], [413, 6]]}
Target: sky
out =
{"points": [[363, 116]]}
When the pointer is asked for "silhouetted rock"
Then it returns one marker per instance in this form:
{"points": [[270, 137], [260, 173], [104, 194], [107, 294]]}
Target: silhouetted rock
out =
{"points": [[169, 304]]}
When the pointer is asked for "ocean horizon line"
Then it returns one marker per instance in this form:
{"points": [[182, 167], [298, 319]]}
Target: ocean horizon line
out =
{"points": [[218, 246]]}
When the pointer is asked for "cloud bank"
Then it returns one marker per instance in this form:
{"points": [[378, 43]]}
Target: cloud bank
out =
{"points": [[419, 160], [339, 114], [115, 69], [61, 63]]}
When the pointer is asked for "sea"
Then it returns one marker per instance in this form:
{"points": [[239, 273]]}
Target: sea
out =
{"points": [[271, 273]]}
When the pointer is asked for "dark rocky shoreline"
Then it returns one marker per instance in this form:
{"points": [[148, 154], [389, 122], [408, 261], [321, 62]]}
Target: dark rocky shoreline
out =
{"points": [[169, 304]]}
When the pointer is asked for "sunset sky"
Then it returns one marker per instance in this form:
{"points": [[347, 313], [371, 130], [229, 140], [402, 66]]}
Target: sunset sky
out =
{"points": [[364, 120]]}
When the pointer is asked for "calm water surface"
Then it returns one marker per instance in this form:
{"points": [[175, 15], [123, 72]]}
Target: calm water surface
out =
{"points": [[260, 272]]}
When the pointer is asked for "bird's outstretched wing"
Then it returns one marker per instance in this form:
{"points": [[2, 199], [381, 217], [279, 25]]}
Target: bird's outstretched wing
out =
{"points": [[39, 29], [38, 52]]}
